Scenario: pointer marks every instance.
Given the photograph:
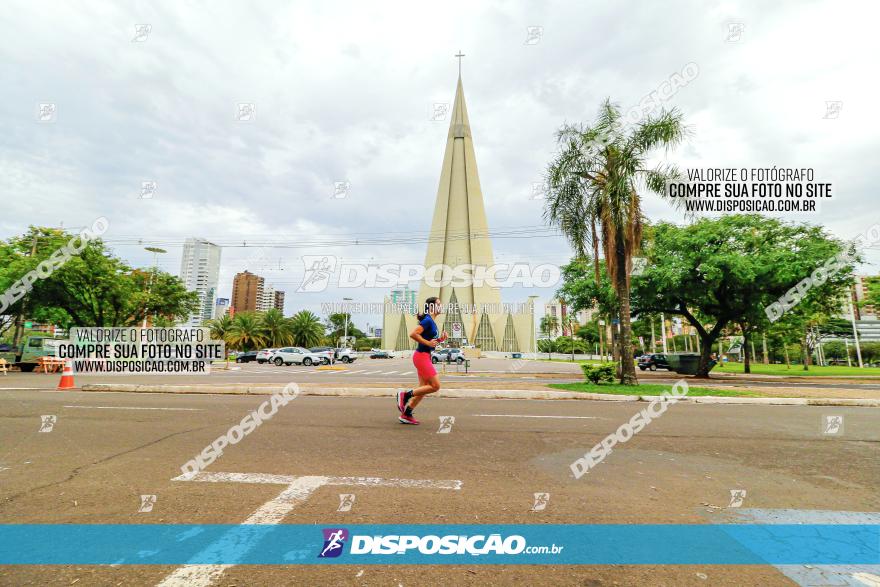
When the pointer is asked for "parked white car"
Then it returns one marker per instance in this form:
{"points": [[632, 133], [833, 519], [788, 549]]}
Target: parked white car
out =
{"points": [[346, 355], [264, 355], [297, 356]]}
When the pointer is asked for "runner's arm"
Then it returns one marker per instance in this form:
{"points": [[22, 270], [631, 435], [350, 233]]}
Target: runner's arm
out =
{"points": [[416, 335]]}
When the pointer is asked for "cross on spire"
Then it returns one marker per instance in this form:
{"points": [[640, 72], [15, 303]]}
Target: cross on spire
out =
{"points": [[459, 55]]}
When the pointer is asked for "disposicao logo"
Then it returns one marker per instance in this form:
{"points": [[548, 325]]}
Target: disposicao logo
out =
{"points": [[334, 542]]}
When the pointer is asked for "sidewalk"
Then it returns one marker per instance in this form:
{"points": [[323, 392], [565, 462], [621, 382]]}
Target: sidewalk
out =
{"points": [[359, 391]]}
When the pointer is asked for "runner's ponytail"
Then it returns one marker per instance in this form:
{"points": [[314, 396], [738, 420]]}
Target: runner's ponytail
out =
{"points": [[428, 304]]}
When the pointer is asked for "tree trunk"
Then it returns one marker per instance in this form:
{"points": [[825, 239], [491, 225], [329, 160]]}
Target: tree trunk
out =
{"points": [[627, 366], [787, 360], [705, 356], [745, 347], [805, 351]]}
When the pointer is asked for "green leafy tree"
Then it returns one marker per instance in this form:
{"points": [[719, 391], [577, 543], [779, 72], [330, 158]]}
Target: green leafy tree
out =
{"points": [[593, 182], [336, 328], [92, 288], [715, 272], [834, 349]]}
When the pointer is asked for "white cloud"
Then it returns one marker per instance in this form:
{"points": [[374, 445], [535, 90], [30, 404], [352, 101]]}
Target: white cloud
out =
{"points": [[342, 92]]}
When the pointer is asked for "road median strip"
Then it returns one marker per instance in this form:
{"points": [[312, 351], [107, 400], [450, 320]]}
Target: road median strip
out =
{"points": [[268, 389]]}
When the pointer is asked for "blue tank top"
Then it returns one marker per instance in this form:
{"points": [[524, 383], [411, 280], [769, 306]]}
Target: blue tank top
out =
{"points": [[429, 332]]}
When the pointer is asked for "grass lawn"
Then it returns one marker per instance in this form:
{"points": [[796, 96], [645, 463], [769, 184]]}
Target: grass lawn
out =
{"points": [[798, 370], [645, 389], [576, 361], [762, 369]]}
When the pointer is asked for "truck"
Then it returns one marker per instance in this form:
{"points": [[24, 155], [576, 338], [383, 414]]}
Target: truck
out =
{"points": [[29, 351]]}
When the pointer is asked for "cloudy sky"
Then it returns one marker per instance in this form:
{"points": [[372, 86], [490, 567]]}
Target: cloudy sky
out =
{"points": [[344, 92]]}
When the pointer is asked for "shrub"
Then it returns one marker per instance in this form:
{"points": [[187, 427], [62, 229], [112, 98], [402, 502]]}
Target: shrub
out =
{"points": [[597, 374]]}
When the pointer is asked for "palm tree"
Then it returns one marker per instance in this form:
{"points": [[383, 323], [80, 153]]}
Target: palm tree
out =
{"points": [[220, 329], [306, 328], [246, 332], [549, 325], [592, 195], [276, 329]]}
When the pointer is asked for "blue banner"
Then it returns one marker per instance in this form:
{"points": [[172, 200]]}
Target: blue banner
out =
{"points": [[709, 544]]}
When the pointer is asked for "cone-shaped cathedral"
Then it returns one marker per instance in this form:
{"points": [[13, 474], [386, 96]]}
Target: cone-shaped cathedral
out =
{"points": [[460, 237]]}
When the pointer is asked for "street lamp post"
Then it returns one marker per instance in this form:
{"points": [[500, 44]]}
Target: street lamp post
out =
{"points": [[345, 336], [852, 317], [155, 251]]}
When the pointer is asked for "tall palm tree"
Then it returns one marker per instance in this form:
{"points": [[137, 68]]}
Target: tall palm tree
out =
{"points": [[276, 328], [246, 332], [593, 195], [549, 325], [306, 328], [220, 329]]}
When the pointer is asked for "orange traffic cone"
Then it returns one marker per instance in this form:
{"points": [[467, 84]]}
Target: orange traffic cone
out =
{"points": [[67, 376]]}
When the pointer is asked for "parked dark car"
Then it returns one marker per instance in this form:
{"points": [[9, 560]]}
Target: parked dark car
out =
{"points": [[653, 362], [381, 355], [246, 357]]}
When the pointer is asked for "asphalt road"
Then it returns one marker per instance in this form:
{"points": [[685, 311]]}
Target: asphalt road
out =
{"points": [[105, 450], [485, 373]]}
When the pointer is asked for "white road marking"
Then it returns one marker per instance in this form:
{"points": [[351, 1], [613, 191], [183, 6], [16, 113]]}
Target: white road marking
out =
{"points": [[530, 416], [408, 373], [453, 484], [869, 579], [390, 372], [133, 408], [272, 512], [372, 372]]}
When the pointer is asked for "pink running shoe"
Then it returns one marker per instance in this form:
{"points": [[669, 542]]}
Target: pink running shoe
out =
{"points": [[404, 419], [401, 401]]}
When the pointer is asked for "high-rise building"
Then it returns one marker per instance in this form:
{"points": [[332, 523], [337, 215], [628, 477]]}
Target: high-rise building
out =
{"points": [[474, 313], [404, 299], [557, 308], [247, 292], [267, 298], [860, 289], [221, 307], [200, 272], [279, 301]]}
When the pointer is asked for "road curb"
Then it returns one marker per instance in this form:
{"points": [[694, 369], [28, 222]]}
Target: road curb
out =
{"points": [[268, 389]]}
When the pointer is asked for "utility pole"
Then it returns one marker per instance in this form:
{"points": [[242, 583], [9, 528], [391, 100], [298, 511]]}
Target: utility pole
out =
{"points": [[852, 317], [155, 251], [663, 331], [345, 336]]}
